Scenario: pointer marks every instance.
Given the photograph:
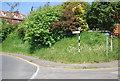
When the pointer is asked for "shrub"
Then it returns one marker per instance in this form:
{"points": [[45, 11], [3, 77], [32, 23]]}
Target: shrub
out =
{"points": [[73, 18], [35, 29], [104, 15], [4, 31], [80, 14]]}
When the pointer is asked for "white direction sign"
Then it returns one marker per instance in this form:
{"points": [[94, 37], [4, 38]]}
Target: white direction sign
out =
{"points": [[76, 32]]}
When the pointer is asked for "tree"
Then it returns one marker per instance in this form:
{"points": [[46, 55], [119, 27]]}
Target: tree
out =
{"points": [[35, 29], [80, 14], [72, 19], [101, 15], [116, 7], [4, 29], [66, 25], [47, 4], [72, 3]]}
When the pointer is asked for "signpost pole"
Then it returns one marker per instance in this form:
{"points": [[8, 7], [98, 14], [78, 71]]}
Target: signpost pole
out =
{"points": [[79, 43], [111, 43], [106, 45], [79, 40], [78, 32], [107, 34]]}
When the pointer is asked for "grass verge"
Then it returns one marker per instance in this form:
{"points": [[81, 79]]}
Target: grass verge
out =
{"points": [[93, 46]]}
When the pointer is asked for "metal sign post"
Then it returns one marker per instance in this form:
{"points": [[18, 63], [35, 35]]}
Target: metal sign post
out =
{"points": [[106, 45], [79, 42], [111, 43], [107, 34], [78, 32]]}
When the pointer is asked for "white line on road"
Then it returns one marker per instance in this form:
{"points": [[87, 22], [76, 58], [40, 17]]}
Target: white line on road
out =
{"points": [[29, 63], [32, 64], [35, 73], [115, 72]]}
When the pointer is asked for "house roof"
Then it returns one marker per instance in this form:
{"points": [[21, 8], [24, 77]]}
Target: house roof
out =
{"points": [[15, 15]]}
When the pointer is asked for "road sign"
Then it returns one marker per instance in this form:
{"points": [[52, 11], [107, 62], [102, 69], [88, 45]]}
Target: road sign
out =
{"points": [[107, 34], [76, 32]]}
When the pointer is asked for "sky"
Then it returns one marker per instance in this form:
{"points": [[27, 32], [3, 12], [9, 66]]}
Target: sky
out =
{"points": [[24, 6]]}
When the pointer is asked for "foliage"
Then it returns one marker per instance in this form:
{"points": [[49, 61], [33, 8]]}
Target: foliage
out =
{"points": [[0, 30], [66, 25], [116, 7], [93, 45], [74, 4], [101, 15], [79, 12], [71, 21], [6, 29], [50, 24], [35, 29]]}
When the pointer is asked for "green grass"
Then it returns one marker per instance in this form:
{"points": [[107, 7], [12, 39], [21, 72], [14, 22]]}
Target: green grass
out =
{"points": [[66, 51], [79, 67]]}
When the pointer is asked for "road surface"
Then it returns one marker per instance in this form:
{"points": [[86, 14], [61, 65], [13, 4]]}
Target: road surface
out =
{"points": [[14, 68], [52, 73]]}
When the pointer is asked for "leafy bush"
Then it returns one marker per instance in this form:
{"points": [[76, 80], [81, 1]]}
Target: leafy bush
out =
{"points": [[66, 25], [50, 24], [35, 29], [80, 13], [0, 30], [73, 18], [6, 29], [103, 15]]}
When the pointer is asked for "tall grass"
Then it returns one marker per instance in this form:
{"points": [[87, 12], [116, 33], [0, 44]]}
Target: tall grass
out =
{"points": [[92, 49]]}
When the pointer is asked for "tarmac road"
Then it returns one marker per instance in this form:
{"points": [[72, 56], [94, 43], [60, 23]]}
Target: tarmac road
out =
{"points": [[14, 68], [25, 70], [56, 73]]}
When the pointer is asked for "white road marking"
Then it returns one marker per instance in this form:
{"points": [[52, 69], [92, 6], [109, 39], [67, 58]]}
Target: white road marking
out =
{"points": [[29, 63], [115, 72], [32, 64], [35, 73]]}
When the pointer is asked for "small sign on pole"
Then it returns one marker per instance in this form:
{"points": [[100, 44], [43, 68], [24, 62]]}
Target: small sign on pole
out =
{"points": [[107, 34], [76, 32]]}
